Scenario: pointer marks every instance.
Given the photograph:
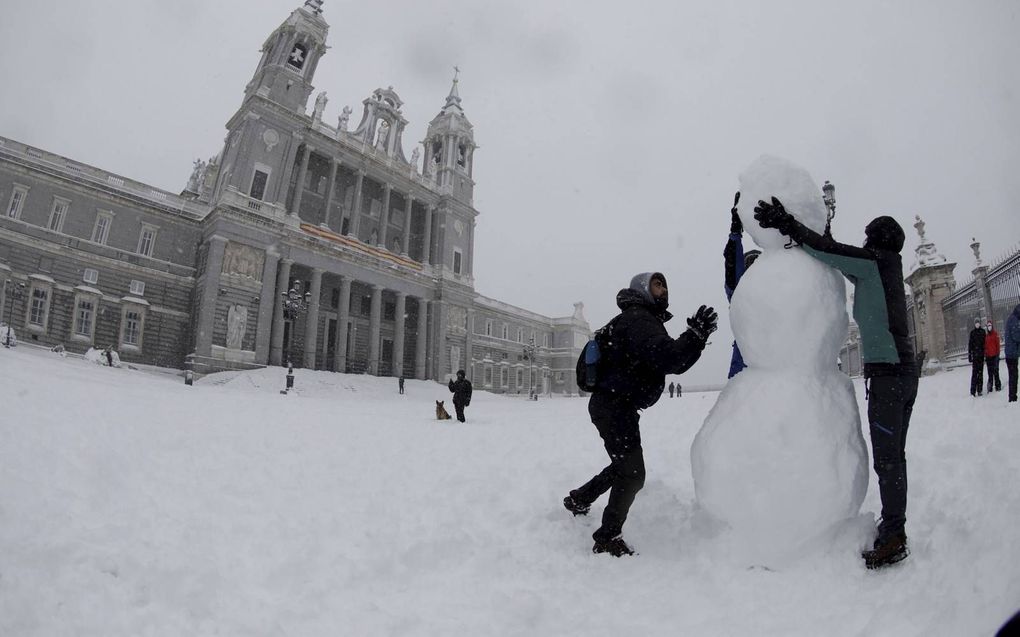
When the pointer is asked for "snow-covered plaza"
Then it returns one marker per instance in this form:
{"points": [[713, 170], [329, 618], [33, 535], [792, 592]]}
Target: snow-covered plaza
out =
{"points": [[132, 504]]}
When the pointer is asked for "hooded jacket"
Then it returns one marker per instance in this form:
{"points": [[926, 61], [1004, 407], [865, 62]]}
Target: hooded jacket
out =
{"points": [[880, 305], [640, 352], [1011, 334]]}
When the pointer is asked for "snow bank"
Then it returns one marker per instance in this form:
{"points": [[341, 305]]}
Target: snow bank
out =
{"points": [[131, 504]]}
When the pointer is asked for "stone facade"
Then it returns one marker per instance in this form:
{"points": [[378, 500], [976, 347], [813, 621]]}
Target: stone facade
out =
{"points": [[377, 252]]}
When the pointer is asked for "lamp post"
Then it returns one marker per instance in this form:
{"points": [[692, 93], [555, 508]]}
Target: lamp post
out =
{"points": [[17, 293], [294, 304], [829, 197], [529, 353]]}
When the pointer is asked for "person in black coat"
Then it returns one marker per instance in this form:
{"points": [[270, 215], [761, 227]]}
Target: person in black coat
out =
{"points": [[461, 389], [632, 376], [976, 357]]}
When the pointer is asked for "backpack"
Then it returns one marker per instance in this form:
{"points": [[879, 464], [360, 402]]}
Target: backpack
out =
{"points": [[589, 363]]}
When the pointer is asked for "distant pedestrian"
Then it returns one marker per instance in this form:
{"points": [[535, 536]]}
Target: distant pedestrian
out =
{"points": [[109, 355], [461, 389], [1011, 349], [678, 390], [400, 384], [671, 388], [976, 358], [992, 357]]}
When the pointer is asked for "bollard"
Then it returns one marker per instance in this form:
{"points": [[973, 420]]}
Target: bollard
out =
{"points": [[189, 377], [290, 378]]}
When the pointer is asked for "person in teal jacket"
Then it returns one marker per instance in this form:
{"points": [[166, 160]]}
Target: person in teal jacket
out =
{"points": [[880, 309]]}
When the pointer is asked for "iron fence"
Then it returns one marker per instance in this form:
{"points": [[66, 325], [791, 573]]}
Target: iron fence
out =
{"points": [[960, 309]]}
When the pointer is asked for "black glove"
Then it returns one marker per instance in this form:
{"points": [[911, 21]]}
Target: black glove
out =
{"points": [[736, 225], [704, 322], [773, 216]]}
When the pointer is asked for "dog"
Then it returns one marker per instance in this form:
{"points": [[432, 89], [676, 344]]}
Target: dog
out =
{"points": [[441, 413]]}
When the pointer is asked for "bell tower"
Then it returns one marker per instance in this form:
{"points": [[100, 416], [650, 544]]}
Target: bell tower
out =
{"points": [[289, 58], [450, 149]]}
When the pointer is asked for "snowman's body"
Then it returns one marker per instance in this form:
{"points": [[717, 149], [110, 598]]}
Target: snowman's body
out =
{"points": [[780, 459]]}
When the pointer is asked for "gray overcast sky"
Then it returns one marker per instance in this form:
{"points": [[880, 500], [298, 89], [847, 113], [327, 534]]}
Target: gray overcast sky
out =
{"points": [[611, 134]]}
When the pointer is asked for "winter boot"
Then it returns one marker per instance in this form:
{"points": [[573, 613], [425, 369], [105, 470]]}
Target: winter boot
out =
{"points": [[575, 506], [886, 552], [615, 547]]}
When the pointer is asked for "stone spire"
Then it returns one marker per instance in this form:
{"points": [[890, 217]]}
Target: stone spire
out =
{"points": [[453, 99], [926, 253]]}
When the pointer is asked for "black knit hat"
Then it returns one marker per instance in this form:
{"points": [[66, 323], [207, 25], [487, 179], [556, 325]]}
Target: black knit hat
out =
{"points": [[884, 233]]}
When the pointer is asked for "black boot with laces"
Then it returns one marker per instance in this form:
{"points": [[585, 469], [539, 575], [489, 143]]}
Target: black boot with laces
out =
{"points": [[615, 547]]}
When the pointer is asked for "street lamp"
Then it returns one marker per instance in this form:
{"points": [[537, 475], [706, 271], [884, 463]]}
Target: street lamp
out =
{"points": [[17, 293], [829, 197], [294, 304], [529, 353]]}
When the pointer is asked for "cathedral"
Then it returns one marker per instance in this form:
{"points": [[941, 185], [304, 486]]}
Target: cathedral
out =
{"points": [[302, 242]]}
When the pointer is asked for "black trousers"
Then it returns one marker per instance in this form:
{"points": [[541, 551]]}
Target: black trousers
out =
{"points": [[993, 373], [459, 407], [890, 403], [1011, 373], [617, 423], [977, 368]]}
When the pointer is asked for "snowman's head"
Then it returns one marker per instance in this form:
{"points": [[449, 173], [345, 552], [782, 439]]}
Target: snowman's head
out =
{"points": [[770, 176]]}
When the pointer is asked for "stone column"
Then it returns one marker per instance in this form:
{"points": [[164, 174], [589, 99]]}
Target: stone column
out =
{"points": [[276, 335], [440, 351], [302, 173], [209, 294], [334, 165], [469, 342], [374, 323], [422, 341], [408, 207], [355, 224], [384, 217], [343, 316], [288, 168], [312, 319], [398, 336], [469, 266], [426, 256], [267, 303]]}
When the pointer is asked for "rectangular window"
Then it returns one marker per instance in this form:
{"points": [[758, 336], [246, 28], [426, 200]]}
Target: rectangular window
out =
{"points": [[488, 376], [57, 214], [520, 378], [146, 241], [488, 327], [83, 317], [506, 332], [366, 305], [91, 276], [504, 377], [520, 334], [390, 311], [132, 327], [547, 340], [258, 184], [17, 201], [137, 288], [457, 259], [40, 305], [101, 231]]}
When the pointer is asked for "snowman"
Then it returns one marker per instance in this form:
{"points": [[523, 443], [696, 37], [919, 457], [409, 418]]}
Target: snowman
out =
{"points": [[780, 460]]}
